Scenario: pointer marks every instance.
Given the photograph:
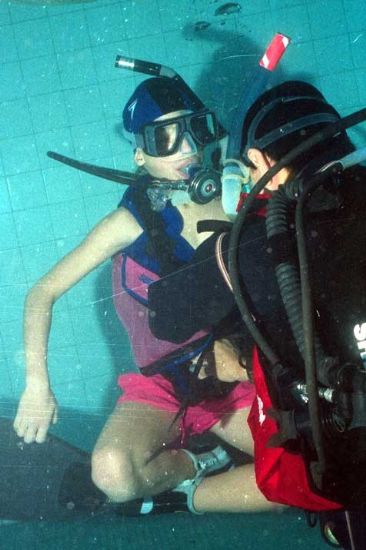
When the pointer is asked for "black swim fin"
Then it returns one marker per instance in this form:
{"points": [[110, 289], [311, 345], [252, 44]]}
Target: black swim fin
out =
{"points": [[52, 481], [34, 478]]}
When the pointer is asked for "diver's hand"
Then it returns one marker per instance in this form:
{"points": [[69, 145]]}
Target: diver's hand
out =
{"points": [[226, 366], [37, 409]]}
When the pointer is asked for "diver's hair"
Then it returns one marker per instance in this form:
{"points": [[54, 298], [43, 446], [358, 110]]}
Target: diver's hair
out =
{"points": [[310, 102]]}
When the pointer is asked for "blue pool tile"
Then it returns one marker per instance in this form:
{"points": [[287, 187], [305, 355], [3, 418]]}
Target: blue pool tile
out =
{"points": [[27, 190], [41, 75], [4, 15], [8, 236], [141, 22], [106, 25], [70, 31], [62, 8], [92, 186], [283, 4], [11, 83], [329, 51], [12, 298], [12, 336], [104, 59], [102, 392], [12, 271], [294, 21], [358, 45], [114, 96], [33, 38], [8, 53], [38, 259], [15, 119], [62, 183], [64, 366], [361, 84], [19, 155], [6, 386], [355, 15], [95, 359], [64, 246], [84, 105], [76, 69], [341, 89], [99, 206], [327, 19], [121, 148], [58, 140], [68, 219], [33, 226], [62, 334], [85, 294], [91, 141], [300, 61], [173, 19], [48, 111], [5, 205], [17, 373], [25, 12], [71, 394], [87, 325]]}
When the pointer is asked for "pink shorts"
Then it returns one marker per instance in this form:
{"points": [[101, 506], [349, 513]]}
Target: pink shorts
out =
{"points": [[158, 392]]}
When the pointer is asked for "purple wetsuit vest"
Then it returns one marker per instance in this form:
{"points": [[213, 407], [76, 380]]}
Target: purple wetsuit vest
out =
{"points": [[133, 271]]}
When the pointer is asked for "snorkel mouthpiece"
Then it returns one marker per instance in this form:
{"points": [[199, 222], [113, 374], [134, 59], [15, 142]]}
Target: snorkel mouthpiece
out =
{"points": [[202, 186]]}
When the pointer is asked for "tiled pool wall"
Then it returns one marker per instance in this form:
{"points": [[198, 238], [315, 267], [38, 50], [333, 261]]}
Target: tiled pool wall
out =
{"points": [[59, 91]]}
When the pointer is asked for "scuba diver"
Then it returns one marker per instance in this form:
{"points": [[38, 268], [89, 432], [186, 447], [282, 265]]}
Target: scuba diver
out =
{"points": [[142, 451], [292, 266]]}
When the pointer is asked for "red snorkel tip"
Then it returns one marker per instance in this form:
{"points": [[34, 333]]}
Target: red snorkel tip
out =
{"points": [[274, 52]]}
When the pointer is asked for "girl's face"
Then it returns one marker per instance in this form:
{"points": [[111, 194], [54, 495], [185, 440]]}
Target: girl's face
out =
{"points": [[173, 166]]}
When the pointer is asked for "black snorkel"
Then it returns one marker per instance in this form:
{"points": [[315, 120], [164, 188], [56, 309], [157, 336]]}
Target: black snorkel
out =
{"points": [[204, 184], [111, 174]]}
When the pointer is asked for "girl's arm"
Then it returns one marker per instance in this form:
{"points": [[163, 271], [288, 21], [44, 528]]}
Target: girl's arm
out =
{"points": [[38, 406]]}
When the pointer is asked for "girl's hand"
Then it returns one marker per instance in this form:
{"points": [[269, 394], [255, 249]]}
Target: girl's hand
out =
{"points": [[37, 409]]}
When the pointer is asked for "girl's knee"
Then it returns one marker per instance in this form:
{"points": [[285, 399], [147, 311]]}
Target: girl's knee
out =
{"points": [[113, 473]]}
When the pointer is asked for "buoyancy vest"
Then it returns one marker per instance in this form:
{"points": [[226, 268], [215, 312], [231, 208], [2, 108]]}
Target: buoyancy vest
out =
{"points": [[282, 475], [137, 266], [282, 467]]}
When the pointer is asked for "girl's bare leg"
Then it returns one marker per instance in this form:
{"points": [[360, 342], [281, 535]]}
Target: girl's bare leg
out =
{"points": [[232, 491], [235, 490], [131, 459]]}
